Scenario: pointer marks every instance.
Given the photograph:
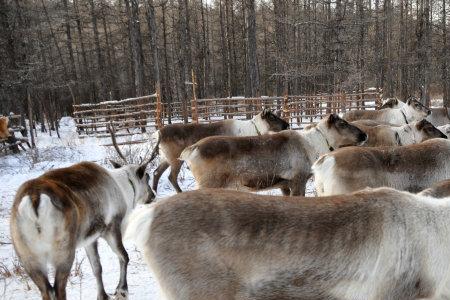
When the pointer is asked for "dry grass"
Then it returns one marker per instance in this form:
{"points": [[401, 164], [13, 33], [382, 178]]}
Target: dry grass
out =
{"points": [[4, 271]]}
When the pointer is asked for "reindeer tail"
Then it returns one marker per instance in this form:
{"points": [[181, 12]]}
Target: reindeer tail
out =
{"points": [[188, 153]]}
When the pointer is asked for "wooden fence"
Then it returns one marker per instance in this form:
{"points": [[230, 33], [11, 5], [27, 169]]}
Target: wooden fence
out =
{"points": [[146, 111], [93, 118]]}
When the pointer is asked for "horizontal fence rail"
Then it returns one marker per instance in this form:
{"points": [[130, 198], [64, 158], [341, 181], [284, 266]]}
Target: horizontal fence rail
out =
{"points": [[150, 111]]}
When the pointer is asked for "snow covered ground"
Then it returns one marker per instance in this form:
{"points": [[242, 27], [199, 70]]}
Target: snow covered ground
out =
{"points": [[55, 153]]}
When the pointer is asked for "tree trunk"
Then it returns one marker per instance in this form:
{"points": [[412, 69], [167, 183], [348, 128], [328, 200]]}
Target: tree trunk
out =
{"points": [[136, 47], [445, 57], [253, 85], [100, 61]]}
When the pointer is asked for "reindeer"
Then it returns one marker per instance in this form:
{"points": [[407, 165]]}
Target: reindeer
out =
{"points": [[173, 139], [72, 207], [439, 115], [4, 131], [413, 110], [281, 160], [372, 244], [385, 135], [391, 103], [411, 168]]}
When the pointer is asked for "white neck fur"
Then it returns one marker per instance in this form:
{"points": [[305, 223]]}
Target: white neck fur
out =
{"points": [[122, 179], [316, 141]]}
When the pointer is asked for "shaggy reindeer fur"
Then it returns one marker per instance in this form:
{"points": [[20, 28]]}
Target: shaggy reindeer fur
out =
{"points": [[281, 160], [385, 135], [411, 168], [370, 245], [413, 110], [173, 139], [68, 208]]}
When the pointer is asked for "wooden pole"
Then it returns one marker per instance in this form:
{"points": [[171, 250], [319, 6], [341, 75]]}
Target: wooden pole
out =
{"points": [[194, 99], [286, 113], [30, 118], [378, 99], [159, 123]]}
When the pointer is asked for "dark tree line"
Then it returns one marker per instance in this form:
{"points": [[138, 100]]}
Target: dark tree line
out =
{"points": [[75, 51]]}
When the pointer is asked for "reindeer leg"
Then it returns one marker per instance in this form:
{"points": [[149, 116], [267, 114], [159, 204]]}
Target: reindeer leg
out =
{"points": [[285, 190], [158, 173], [62, 275], [40, 278], [298, 186], [114, 239], [173, 177], [94, 259]]}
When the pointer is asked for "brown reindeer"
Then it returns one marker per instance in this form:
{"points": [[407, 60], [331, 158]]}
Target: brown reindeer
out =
{"points": [[173, 139], [281, 160], [371, 245], [68, 208], [412, 168], [4, 132]]}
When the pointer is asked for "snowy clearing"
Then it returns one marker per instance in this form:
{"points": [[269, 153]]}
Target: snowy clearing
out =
{"points": [[55, 153]]}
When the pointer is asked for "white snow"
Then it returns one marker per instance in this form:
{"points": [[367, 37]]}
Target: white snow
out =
{"points": [[55, 153]]}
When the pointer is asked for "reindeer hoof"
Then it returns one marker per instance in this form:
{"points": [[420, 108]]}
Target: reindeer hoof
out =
{"points": [[121, 295]]}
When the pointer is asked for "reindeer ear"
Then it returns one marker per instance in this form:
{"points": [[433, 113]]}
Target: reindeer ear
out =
{"points": [[265, 112], [115, 164], [332, 118], [140, 172]]}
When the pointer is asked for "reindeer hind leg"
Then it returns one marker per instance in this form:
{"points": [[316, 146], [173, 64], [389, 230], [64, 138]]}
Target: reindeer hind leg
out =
{"points": [[173, 177], [62, 274], [158, 173], [40, 279]]}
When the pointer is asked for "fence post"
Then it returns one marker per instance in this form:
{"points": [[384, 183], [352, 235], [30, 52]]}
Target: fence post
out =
{"points": [[159, 123], [194, 99], [343, 102], [30, 118], [285, 107], [378, 99]]}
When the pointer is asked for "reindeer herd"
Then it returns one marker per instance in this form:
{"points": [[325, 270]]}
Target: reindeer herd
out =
{"points": [[380, 228]]}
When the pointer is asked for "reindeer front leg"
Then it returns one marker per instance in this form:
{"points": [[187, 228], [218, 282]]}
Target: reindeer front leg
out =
{"points": [[114, 239]]}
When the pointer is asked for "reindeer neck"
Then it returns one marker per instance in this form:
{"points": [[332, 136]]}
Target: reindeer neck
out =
{"points": [[406, 134], [247, 128], [317, 143], [126, 185]]}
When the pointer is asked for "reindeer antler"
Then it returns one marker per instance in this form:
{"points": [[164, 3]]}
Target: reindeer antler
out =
{"points": [[114, 141]]}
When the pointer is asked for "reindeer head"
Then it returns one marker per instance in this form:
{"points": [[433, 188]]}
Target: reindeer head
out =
{"points": [[138, 179], [426, 131], [391, 103], [340, 133], [416, 110], [267, 121]]}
